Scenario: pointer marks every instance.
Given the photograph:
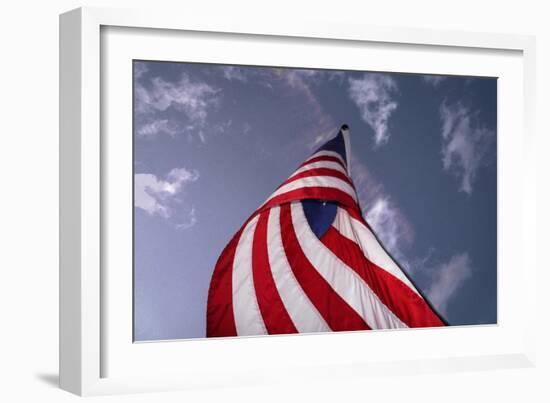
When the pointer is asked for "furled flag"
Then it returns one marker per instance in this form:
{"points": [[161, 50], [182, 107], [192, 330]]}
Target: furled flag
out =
{"points": [[307, 261]]}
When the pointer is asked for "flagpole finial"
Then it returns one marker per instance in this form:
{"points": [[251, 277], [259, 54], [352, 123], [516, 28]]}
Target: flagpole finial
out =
{"points": [[344, 127]]}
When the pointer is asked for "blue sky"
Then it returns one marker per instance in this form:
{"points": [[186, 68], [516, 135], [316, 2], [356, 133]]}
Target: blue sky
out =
{"points": [[212, 142]]}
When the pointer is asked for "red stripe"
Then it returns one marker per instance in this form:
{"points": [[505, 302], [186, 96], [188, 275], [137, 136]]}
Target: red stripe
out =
{"points": [[356, 213], [396, 295], [274, 313], [319, 172], [336, 312], [323, 158], [318, 192], [220, 321], [321, 193]]}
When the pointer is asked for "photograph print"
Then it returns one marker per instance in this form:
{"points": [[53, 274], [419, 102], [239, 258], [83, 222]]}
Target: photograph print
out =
{"points": [[282, 200]]}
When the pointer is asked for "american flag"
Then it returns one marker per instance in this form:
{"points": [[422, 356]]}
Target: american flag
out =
{"points": [[307, 261]]}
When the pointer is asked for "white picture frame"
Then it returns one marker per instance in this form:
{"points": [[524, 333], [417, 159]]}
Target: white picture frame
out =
{"points": [[97, 357]]}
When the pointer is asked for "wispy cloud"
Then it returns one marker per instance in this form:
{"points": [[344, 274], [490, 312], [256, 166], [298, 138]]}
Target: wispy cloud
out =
{"points": [[151, 129], [312, 77], [193, 100], [140, 68], [234, 73], [299, 84], [442, 279], [186, 95], [159, 196], [322, 136], [389, 224], [319, 125], [465, 143], [447, 279], [382, 213], [374, 96], [246, 128], [434, 80], [190, 221]]}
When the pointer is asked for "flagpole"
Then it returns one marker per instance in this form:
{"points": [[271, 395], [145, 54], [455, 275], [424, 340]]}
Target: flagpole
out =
{"points": [[347, 143]]}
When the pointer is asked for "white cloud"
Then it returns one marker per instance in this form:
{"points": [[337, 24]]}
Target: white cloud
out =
{"points": [[194, 99], [234, 73], [298, 77], [182, 176], [140, 68], [465, 143], [190, 221], [384, 216], [318, 124], [246, 128], [389, 224], [158, 196], [433, 79], [338, 76], [397, 234], [322, 136], [373, 95], [156, 127], [447, 280]]}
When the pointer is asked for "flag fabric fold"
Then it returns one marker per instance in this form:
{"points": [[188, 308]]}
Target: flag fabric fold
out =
{"points": [[307, 261]]}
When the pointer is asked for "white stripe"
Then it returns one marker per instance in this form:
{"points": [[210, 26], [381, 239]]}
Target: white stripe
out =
{"points": [[357, 232], [303, 313], [327, 153], [248, 319], [343, 279], [316, 181], [321, 164]]}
